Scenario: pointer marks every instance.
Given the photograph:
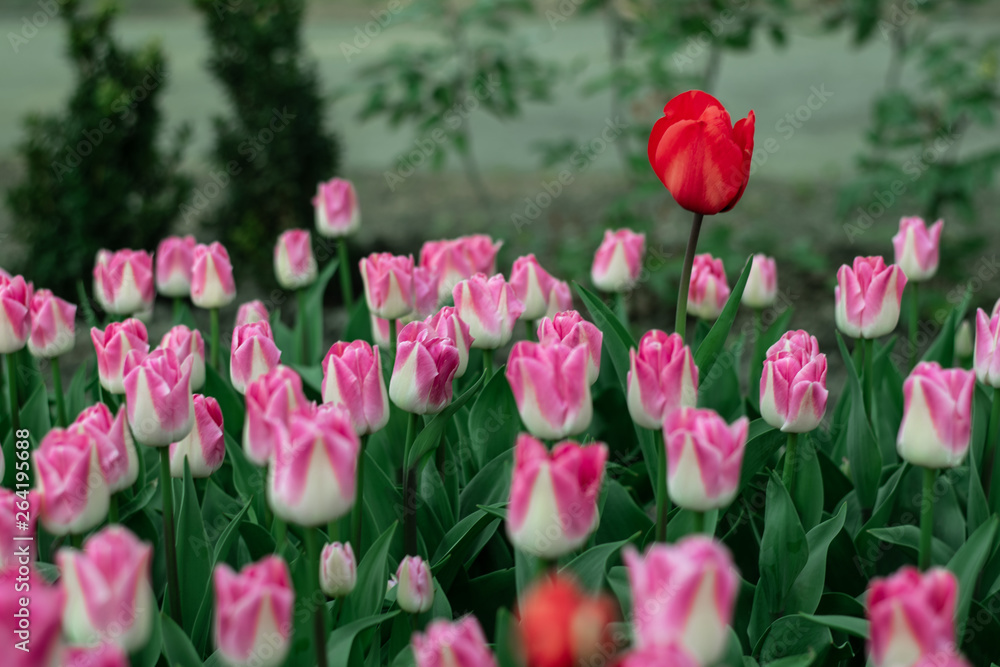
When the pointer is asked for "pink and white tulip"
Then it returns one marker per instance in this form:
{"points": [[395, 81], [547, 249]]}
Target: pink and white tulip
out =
{"points": [[270, 400], [113, 346], [986, 359], [188, 343], [662, 377], [381, 333], [454, 260], [937, 416], [205, 446], [570, 329], [414, 585], [490, 307], [72, 491], [551, 387], [867, 297], [174, 259], [17, 537], [447, 323], [704, 456], [912, 617], [39, 644], [560, 298], [115, 445], [425, 294], [294, 264], [253, 613], [709, 289], [252, 354], [125, 282], [352, 380], [426, 363], [761, 290], [793, 391], [917, 248], [15, 313], [532, 285], [337, 210], [795, 341], [158, 397], [102, 655], [338, 571], [212, 283], [618, 260], [53, 328], [458, 643], [252, 311], [388, 281]]}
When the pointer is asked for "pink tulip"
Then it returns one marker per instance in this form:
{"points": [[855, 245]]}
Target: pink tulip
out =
{"points": [[658, 656], [102, 655], [570, 329], [109, 593], [388, 281], [174, 258], [458, 643], [338, 571], [551, 388], [662, 377], [15, 313], [793, 391], [212, 284], [352, 379], [618, 261], [447, 323], [761, 290], [205, 446], [490, 308], [532, 285], [380, 332], [113, 346], [270, 400], [683, 595], [704, 455], [917, 248], [253, 353], [72, 490], [937, 416], [868, 296], [253, 613], [40, 643], [912, 616], [455, 260], [553, 496], [425, 366], [53, 329], [158, 397], [987, 353], [18, 516], [425, 293], [313, 472], [252, 311], [560, 298], [337, 210], [795, 341], [709, 290], [125, 281], [415, 587], [294, 264], [188, 343], [115, 446]]}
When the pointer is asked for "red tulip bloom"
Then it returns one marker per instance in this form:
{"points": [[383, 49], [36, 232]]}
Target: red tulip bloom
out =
{"points": [[699, 155]]}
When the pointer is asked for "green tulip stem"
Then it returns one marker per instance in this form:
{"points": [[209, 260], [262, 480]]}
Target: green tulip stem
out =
{"points": [[914, 324], [410, 489], [869, 378], [699, 522], [529, 330], [393, 330], [359, 505], [113, 507], [279, 530], [312, 539], [15, 415], [76, 540], [621, 308], [178, 309], [789, 474], [680, 323], [991, 462], [214, 333], [300, 296], [487, 365], [57, 388], [167, 491], [662, 495], [927, 518], [344, 270]]}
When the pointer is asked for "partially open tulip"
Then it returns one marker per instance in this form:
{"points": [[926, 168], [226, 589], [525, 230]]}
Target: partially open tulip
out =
{"points": [[125, 281], [188, 343], [551, 387], [102, 655], [270, 400], [490, 308], [253, 613], [454, 260], [570, 329], [32, 631], [15, 313], [458, 643], [917, 248], [414, 585], [72, 490], [53, 330], [17, 533], [618, 260], [294, 264], [701, 157], [352, 379], [158, 397], [532, 285], [867, 297], [426, 363], [174, 259], [253, 353], [109, 594], [560, 298], [662, 377], [115, 446], [987, 353], [658, 656], [793, 341], [709, 289], [553, 496], [338, 571], [388, 281], [793, 391], [113, 346], [912, 616], [205, 446], [337, 210], [447, 323], [212, 284], [761, 290], [704, 455], [937, 416], [250, 312]]}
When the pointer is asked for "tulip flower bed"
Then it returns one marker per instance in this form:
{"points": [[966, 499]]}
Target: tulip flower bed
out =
{"points": [[489, 469]]}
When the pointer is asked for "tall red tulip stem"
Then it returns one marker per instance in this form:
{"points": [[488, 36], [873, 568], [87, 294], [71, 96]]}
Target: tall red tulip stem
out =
{"points": [[680, 323]]}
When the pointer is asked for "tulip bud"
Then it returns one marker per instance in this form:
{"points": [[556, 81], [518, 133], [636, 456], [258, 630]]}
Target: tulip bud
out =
{"points": [[794, 341], [253, 613], [453, 644], [415, 587], [447, 323], [425, 366], [102, 655], [570, 329], [158, 397], [205, 446], [917, 248], [658, 656], [294, 264], [15, 313], [352, 379], [662, 377], [912, 616], [253, 353], [704, 455], [337, 210], [270, 400], [793, 391], [174, 258], [532, 285], [15, 533], [551, 388], [987, 354], [53, 330], [250, 312], [72, 490], [490, 308], [964, 347], [115, 446], [618, 260], [338, 571], [113, 346], [212, 284], [937, 416], [43, 644], [388, 281], [709, 289], [125, 281], [188, 343], [455, 260], [553, 496], [560, 298], [868, 297], [761, 290]]}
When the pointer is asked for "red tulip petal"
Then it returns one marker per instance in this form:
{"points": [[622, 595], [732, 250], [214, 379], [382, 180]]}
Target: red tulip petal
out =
{"points": [[743, 136]]}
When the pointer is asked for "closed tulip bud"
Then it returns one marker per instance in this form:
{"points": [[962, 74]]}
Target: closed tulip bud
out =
{"points": [[455, 260], [793, 391], [414, 585], [270, 400], [102, 655], [188, 343], [553, 496], [551, 388], [253, 353], [174, 259], [426, 363], [45, 606], [964, 347], [761, 290], [560, 298], [250, 312], [337, 210], [709, 290], [158, 397], [338, 571], [113, 346], [212, 284], [458, 643], [987, 352], [12, 527], [294, 264], [912, 617], [570, 329], [125, 279], [937, 416], [795, 341], [490, 308], [917, 248], [53, 330], [618, 260], [115, 446], [447, 323], [658, 656], [109, 594], [380, 331], [253, 613], [704, 455], [683, 594], [72, 490], [352, 380], [662, 377], [532, 285], [867, 297], [205, 446], [15, 313], [388, 281]]}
